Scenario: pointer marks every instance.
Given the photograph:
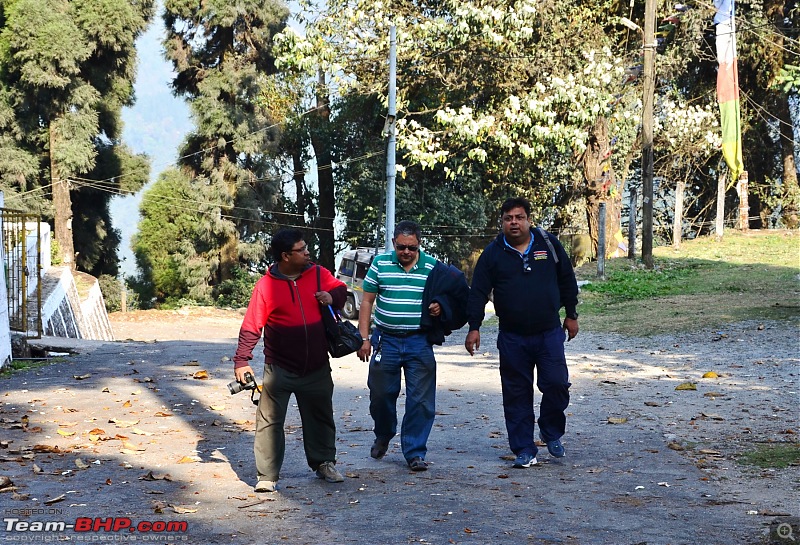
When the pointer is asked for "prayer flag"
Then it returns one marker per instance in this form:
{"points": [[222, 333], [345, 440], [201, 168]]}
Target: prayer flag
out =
{"points": [[728, 87]]}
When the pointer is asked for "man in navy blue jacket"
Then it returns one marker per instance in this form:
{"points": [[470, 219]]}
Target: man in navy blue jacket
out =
{"points": [[532, 278]]}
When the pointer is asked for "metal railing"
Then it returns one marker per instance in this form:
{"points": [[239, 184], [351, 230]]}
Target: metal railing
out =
{"points": [[22, 263]]}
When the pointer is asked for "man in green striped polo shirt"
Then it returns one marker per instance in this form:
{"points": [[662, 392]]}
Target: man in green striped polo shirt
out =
{"points": [[395, 283]]}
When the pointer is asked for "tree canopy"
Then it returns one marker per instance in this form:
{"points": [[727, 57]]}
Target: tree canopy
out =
{"points": [[66, 71]]}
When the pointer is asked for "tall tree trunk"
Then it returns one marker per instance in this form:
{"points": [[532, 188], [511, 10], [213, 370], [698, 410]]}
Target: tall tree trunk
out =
{"points": [[791, 191], [601, 186], [677, 222], [777, 10], [299, 186], [62, 204], [320, 141]]}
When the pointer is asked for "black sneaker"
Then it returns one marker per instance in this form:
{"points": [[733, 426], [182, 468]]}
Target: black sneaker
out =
{"points": [[418, 464], [379, 448]]}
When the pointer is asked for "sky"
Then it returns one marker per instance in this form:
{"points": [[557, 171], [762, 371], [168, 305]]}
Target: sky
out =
{"points": [[155, 125]]}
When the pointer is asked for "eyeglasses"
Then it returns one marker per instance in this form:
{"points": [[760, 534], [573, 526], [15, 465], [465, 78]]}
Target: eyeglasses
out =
{"points": [[404, 247], [301, 250]]}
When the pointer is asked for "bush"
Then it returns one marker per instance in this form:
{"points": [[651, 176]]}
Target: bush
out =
{"points": [[112, 292], [111, 288], [235, 293]]}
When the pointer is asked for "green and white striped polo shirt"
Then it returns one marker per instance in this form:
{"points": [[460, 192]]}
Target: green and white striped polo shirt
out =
{"points": [[398, 305]]}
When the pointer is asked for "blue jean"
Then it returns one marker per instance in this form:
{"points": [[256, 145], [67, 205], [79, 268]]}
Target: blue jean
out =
{"points": [[519, 355], [414, 356]]}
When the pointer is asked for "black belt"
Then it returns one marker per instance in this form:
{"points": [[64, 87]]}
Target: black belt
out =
{"points": [[401, 334]]}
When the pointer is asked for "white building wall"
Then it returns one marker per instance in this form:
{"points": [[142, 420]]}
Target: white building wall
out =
{"points": [[5, 329]]}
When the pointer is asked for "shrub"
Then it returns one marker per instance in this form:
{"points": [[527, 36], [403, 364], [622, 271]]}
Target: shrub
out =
{"points": [[236, 292]]}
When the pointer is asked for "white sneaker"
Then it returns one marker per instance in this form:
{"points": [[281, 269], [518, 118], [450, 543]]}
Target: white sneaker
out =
{"points": [[266, 486]]}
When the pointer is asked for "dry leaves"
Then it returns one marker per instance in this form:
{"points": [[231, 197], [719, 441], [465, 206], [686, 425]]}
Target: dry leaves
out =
{"points": [[150, 476], [686, 386]]}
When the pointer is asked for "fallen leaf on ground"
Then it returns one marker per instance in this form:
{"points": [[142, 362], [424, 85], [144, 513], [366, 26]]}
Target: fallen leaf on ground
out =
{"points": [[652, 404], [48, 448], [162, 413], [710, 374], [82, 377], [80, 464], [187, 460], [617, 419], [150, 476], [5, 482], [217, 407], [183, 510], [686, 386], [65, 433], [202, 375], [193, 363], [127, 403], [57, 499], [123, 423], [131, 446], [675, 446], [137, 431]]}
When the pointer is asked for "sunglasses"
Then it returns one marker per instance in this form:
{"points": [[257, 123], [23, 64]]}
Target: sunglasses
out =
{"points": [[404, 247]]}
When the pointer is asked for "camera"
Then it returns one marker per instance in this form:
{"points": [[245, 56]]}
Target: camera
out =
{"points": [[250, 384]]}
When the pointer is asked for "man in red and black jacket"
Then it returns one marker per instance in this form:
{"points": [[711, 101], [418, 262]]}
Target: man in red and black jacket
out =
{"points": [[286, 305]]}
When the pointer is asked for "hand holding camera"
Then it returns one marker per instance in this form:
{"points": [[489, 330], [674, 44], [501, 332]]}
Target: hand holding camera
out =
{"points": [[249, 384]]}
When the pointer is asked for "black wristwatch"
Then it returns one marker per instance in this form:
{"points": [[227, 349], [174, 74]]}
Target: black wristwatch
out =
{"points": [[572, 316]]}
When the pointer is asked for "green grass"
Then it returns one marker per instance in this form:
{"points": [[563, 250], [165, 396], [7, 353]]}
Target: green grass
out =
{"points": [[22, 365], [752, 276], [773, 456]]}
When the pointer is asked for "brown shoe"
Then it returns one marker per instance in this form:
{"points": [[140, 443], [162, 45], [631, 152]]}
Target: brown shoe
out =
{"points": [[379, 448], [418, 464]]}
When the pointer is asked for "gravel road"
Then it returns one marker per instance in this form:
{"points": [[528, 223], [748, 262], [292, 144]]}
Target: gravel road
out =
{"points": [[146, 432]]}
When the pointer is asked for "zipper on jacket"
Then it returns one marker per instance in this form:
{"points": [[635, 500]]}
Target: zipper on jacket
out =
{"points": [[305, 324]]}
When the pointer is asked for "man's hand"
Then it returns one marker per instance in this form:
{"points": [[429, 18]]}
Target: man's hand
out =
{"points": [[571, 327], [324, 297], [473, 341], [435, 309], [365, 351], [239, 372]]}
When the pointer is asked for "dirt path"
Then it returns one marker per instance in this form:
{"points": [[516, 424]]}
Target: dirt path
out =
{"points": [[143, 436]]}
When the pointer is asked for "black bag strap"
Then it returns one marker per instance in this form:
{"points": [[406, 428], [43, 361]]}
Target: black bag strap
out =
{"points": [[335, 314], [546, 239]]}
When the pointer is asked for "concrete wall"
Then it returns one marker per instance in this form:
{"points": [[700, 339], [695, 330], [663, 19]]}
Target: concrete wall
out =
{"points": [[65, 315], [5, 329]]}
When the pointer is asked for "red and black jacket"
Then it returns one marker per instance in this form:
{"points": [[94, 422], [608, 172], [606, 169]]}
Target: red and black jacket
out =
{"points": [[289, 314]]}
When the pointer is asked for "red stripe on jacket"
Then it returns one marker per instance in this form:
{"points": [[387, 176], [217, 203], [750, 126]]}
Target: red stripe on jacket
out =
{"points": [[289, 316]]}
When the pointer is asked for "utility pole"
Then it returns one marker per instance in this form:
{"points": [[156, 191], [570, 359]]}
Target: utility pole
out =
{"points": [[390, 129], [649, 46]]}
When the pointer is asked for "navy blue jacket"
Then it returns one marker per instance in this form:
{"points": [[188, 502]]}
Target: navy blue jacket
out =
{"points": [[526, 301], [447, 286]]}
